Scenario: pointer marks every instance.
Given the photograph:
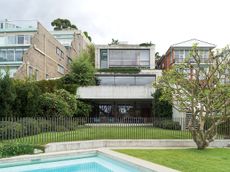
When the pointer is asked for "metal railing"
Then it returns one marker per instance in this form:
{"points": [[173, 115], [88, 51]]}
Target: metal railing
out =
{"points": [[42, 130]]}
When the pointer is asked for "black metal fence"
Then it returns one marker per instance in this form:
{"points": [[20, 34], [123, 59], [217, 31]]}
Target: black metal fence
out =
{"points": [[58, 129]]}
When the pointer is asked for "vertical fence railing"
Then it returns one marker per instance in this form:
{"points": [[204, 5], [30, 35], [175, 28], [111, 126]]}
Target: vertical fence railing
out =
{"points": [[42, 130]]}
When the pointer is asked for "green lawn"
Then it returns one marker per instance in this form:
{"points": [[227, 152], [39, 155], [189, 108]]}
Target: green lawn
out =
{"points": [[187, 160], [109, 132]]}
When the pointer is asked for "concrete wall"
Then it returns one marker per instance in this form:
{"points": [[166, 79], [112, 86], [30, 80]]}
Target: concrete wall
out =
{"points": [[67, 146], [115, 92]]}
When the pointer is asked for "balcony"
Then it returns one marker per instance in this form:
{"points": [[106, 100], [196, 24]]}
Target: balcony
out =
{"points": [[18, 25], [115, 92]]}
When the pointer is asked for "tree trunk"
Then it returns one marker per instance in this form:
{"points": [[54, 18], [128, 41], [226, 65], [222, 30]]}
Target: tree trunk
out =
{"points": [[201, 136]]}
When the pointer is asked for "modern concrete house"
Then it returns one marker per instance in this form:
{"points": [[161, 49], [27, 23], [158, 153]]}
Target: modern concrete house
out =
{"points": [[122, 94], [27, 49]]}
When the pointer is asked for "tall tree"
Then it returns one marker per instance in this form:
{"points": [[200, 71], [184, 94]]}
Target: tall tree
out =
{"points": [[60, 24], [200, 90], [87, 36], [7, 95]]}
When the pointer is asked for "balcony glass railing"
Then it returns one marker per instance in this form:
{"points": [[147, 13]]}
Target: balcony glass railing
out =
{"points": [[18, 25]]}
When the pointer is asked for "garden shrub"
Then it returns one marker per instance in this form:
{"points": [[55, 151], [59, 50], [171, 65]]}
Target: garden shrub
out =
{"points": [[49, 86], [82, 71], [51, 104], [69, 99], [13, 149], [83, 109], [26, 102], [161, 108], [10, 130], [30, 125], [168, 124]]}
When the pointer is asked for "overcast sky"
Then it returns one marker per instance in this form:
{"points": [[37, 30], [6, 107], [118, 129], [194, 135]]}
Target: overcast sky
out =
{"points": [[163, 22]]}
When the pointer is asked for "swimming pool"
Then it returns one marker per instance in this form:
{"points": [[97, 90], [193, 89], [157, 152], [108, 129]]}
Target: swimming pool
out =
{"points": [[92, 162]]}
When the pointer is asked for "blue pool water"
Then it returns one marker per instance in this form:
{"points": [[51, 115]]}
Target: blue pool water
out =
{"points": [[87, 163]]}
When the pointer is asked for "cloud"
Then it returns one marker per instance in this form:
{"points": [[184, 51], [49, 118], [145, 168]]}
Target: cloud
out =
{"points": [[163, 22]]}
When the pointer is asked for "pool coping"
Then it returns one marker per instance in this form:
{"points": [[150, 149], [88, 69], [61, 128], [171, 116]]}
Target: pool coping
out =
{"points": [[139, 163]]}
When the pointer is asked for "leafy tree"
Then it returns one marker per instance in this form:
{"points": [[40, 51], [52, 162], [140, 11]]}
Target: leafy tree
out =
{"points": [[52, 105], [91, 52], [69, 99], [60, 24], [87, 36], [161, 108], [114, 42], [82, 71], [7, 95], [83, 109], [200, 92], [26, 102]]}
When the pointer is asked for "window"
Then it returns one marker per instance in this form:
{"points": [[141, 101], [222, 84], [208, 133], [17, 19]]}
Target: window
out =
{"points": [[61, 69], [27, 39], [179, 56], [125, 110], [10, 55], [203, 56], [104, 58], [69, 60], [126, 80], [18, 54], [11, 40], [145, 80], [105, 109], [20, 39], [3, 55], [30, 72], [59, 52], [2, 40], [47, 76], [129, 57], [36, 74]]}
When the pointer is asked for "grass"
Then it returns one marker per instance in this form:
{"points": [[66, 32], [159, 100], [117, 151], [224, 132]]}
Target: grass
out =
{"points": [[105, 132], [187, 160]]}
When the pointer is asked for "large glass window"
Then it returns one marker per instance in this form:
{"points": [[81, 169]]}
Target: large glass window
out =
{"points": [[107, 80], [2, 40], [3, 55], [27, 39], [10, 55], [20, 39], [104, 58], [61, 69], [126, 80], [11, 40], [18, 55], [179, 56], [145, 80], [119, 58]]}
